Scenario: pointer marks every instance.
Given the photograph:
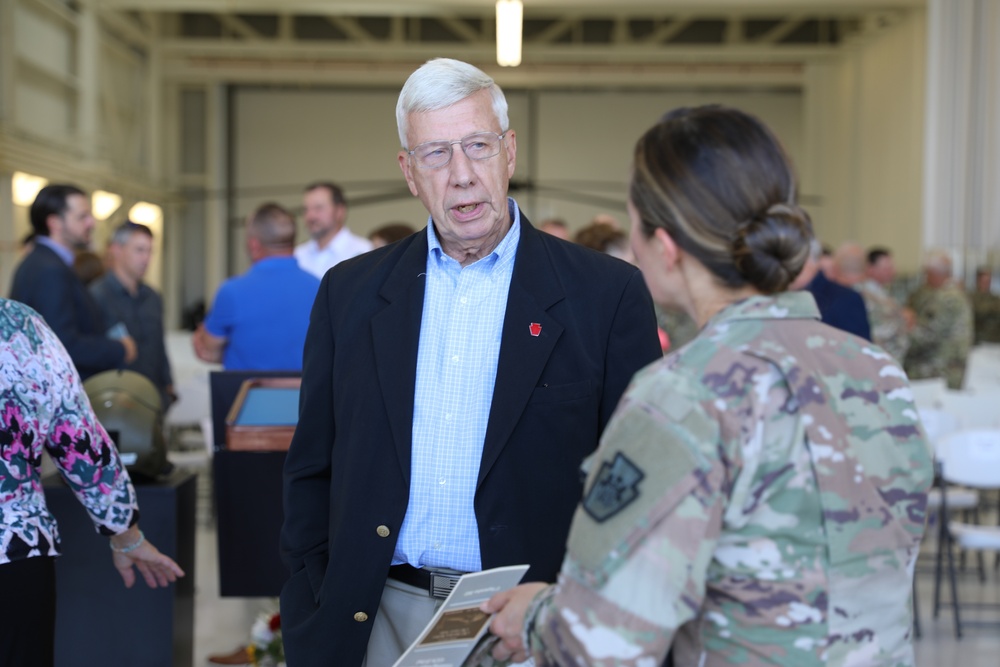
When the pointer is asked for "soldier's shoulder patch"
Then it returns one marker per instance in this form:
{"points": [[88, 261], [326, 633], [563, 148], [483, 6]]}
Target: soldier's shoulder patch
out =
{"points": [[615, 486]]}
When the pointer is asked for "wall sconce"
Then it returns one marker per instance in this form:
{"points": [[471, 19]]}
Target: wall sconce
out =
{"points": [[25, 187], [147, 214], [104, 203], [509, 14]]}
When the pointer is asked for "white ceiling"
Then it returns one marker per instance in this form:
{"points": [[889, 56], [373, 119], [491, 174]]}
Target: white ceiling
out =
{"points": [[628, 42], [435, 7]]}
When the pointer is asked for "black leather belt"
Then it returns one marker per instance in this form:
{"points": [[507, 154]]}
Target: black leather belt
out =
{"points": [[437, 583]]}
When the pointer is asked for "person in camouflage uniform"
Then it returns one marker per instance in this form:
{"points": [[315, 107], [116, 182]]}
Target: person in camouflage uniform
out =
{"points": [[985, 308], [886, 316], [942, 335], [759, 496]]}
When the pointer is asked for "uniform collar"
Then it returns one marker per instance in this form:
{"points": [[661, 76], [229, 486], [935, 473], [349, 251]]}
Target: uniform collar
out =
{"points": [[794, 305]]}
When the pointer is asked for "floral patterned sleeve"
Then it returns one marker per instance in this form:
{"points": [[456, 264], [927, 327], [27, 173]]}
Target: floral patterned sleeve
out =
{"points": [[42, 404]]}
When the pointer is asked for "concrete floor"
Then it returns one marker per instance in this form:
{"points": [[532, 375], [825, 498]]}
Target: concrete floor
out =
{"points": [[979, 645]]}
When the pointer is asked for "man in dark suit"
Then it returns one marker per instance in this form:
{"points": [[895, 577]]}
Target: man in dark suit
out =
{"points": [[839, 306], [452, 385], [62, 222]]}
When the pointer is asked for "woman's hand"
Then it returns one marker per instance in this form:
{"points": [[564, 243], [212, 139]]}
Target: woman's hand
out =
{"points": [[156, 568], [508, 624]]}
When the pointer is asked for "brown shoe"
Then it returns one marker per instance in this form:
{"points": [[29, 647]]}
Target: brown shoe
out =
{"points": [[237, 657]]}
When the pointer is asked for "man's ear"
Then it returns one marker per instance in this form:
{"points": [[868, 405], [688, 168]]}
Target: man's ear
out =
{"points": [[510, 138], [51, 222], [254, 247], [405, 167]]}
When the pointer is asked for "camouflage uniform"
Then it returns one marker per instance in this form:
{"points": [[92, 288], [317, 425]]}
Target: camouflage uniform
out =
{"points": [[986, 313], [939, 344], [886, 318], [758, 498]]}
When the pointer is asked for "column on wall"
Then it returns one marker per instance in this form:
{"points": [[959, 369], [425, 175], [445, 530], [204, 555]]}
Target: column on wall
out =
{"points": [[89, 64], [962, 138], [863, 133], [216, 206], [9, 241]]}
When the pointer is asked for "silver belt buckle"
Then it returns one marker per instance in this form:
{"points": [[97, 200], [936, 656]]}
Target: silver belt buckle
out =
{"points": [[442, 584]]}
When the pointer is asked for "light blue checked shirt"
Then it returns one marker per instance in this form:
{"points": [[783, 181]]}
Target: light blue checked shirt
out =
{"points": [[457, 357]]}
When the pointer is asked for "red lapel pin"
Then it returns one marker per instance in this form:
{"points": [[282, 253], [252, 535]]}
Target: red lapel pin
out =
{"points": [[535, 328]]}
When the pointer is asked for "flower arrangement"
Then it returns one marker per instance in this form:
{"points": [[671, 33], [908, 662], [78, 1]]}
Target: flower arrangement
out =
{"points": [[266, 648]]}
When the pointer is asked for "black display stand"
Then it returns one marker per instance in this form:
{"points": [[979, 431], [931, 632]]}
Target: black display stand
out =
{"points": [[98, 620], [248, 506], [248, 500]]}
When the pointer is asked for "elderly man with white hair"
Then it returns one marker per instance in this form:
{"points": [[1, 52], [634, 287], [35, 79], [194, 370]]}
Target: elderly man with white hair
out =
{"points": [[942, 335]]}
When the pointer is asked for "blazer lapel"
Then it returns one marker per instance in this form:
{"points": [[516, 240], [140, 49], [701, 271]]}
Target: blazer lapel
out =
{"points": [[534, 288], [395, 337]]}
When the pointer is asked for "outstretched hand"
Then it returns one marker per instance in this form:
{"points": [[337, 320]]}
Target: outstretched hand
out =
{"points": [[156, 568], [510, 608]]}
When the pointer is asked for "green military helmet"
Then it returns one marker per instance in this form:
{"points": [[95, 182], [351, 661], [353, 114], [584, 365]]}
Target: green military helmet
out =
{"points": [[128, 406]]}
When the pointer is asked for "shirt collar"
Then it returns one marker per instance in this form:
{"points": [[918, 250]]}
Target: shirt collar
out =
{"points": [[336, 243], [117, 285], [65, 254], [274, 262], [794, 305], [504, 251]]}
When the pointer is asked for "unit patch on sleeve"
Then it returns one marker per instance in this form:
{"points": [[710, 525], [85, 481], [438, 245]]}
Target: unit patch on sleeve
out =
{"points": [[615, 486]]}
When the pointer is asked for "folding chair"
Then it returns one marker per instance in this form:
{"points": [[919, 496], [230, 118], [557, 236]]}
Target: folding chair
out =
{"points": [[982, 372], [970, 458], [972, 409], [927, 393], [938, 424]]}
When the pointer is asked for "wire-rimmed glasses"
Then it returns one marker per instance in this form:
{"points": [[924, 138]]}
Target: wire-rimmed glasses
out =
{"points": [[436, 154]]}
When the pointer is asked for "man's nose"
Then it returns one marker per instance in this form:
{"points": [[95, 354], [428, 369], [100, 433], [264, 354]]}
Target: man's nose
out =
{"points": [[461, 168]]}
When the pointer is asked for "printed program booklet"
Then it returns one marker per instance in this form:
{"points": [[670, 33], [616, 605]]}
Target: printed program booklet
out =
{"points": [[457, 626]]}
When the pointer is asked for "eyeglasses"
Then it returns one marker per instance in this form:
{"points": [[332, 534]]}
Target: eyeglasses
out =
{"points": [[436, 154]]}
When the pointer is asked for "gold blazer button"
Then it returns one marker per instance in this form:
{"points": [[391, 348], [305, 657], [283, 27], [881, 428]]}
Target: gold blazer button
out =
{"points": [[383, 531], [361, 617]]}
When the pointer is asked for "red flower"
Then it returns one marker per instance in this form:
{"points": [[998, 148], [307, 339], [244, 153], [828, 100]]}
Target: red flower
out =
{"points": [[275, 623]]}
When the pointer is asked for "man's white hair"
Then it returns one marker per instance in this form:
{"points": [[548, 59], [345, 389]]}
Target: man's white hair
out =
{"points": [[441, 82], [939, 260]]}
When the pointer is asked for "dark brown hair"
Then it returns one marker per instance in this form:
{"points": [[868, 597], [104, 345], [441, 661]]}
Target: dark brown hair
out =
{"points": [[601, 237], [51, 200], [718, 181], [392, 232], [336, 192], [88, 266]]}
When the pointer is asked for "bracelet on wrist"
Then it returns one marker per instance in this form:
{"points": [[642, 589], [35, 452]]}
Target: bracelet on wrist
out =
{"points": [[129, 548]]}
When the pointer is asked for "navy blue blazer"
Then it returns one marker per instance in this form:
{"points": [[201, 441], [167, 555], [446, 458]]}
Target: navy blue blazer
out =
{"points": [[347, 472], [840, 306], [46, 283]]}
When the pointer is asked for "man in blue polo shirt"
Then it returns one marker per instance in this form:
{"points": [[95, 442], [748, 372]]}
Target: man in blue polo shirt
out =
{"points": [[259, 319]]}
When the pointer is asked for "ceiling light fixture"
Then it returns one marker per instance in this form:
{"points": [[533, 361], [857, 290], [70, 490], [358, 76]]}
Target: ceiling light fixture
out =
{"points": [[25, 187], [104, 203], [147, 214], [509, 14]]}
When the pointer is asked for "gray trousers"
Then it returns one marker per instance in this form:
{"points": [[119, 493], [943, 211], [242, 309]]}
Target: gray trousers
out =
{"points": [[403, 613]]}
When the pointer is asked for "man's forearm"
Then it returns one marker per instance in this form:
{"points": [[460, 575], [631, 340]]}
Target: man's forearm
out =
{"points": [[208, 347]]}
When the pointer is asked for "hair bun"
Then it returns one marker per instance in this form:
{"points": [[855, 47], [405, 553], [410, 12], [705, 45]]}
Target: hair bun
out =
{"points": [[770, 248]]}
